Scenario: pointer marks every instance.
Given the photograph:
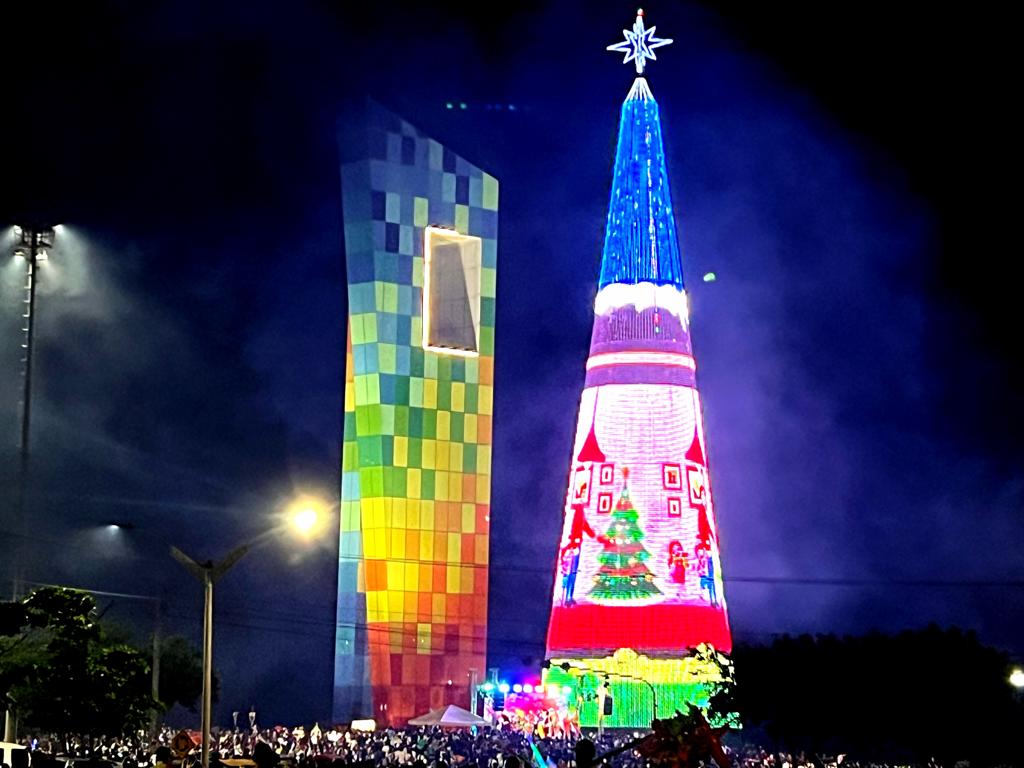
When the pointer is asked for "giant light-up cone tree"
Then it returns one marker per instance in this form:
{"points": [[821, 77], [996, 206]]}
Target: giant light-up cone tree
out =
{"points": [[639, 584]]}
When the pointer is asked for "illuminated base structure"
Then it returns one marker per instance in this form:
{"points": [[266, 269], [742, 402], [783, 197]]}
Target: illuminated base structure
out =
{"points": [[640, 688], [638, 582]]}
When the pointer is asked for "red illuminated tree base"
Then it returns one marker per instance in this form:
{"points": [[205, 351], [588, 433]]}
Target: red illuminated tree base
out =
{"points": [[591, 629]]}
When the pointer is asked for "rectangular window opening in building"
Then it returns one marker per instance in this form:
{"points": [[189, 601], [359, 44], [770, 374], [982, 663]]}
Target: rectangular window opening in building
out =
{"points": [[451, 291]]}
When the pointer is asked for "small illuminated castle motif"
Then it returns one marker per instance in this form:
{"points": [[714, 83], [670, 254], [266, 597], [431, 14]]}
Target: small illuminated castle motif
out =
{"points": [[639, 581]]}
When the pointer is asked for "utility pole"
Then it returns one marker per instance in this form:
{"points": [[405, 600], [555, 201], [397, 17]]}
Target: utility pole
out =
{"points": [[157, 632], [158, 622]]}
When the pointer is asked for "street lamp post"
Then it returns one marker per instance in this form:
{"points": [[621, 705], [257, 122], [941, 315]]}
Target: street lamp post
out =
{"points": [[209, 573]]}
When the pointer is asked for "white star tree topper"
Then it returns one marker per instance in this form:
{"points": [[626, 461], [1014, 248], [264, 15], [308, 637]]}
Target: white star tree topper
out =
{"points": [[639, 44]]}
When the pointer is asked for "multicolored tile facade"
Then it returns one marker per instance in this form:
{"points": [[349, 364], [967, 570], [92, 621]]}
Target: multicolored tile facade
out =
{"points": [[416, 474]]}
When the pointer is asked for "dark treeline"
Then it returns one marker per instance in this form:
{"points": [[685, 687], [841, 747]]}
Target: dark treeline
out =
{"points": [[931, 693]]}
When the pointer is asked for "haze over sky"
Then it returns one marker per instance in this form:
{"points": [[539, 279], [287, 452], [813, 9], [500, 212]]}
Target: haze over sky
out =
{"points": [[839, 169]]}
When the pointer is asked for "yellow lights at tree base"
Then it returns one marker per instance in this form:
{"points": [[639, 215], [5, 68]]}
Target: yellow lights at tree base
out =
{"points": [[636, 684]]}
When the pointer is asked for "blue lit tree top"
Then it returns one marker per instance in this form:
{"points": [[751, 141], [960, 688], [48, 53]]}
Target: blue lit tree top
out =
{"points": [[640, 243]]}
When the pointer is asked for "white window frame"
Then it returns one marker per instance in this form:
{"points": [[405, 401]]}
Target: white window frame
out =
{"points": [[430, 234]]}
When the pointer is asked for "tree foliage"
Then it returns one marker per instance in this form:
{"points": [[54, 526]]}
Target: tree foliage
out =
{"points": [[721, 689], [181, 673], [911, 696], [62, 671], [686, 740]]}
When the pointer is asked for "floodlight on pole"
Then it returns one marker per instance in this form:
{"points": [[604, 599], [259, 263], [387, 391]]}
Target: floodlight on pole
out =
{"points": [[31, 242]]}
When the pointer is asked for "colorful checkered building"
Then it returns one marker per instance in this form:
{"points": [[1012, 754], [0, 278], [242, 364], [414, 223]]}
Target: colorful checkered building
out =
{"points": [[416, 476]]}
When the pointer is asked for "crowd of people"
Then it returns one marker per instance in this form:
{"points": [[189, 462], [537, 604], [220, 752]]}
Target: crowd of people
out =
{"points": [[337, 747], [545, 723], [340, 747]]}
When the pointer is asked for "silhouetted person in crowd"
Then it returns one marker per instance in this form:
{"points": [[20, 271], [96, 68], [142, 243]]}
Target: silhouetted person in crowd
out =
{"points": [[163, 757], [264, 756], [585, 753]]}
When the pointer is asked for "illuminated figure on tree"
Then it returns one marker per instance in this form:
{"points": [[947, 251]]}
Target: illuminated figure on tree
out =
{"points": [[639, 539]]}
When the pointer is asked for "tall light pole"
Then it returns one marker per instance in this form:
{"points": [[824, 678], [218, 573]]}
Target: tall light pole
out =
{"points": [[303, 519], [32, 242]]}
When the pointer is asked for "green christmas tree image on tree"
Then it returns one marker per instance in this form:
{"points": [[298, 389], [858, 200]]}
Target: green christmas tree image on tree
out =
{"points": [[623, 575]]}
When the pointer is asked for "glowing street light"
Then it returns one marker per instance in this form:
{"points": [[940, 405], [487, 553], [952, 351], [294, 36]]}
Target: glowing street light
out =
{"points": [[305, 516], [1017, 678], [305, 520], [302, 517]]}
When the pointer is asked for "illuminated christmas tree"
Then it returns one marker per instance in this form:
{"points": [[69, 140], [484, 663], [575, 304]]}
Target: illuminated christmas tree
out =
{"points": [[656, 570], [623, 575]]}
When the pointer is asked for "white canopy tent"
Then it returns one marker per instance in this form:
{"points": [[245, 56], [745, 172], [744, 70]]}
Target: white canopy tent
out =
{"points": [[449, 717]]}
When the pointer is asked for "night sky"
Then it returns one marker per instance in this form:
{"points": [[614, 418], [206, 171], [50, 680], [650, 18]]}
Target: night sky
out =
{"points": [[842, 169]]}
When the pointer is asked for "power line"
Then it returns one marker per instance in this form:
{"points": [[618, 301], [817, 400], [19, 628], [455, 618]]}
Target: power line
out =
{"points": [[807, 581], [100, 592], [795, 580], [377, 633], [846, 582], [383, 633]]}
